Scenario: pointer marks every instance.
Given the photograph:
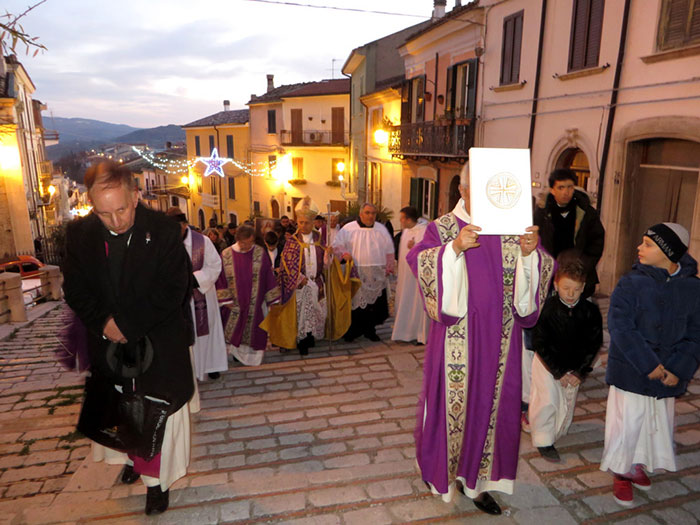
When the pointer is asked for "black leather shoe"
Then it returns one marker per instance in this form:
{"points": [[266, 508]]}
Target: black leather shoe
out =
{"points": [[372, 336], [549, 453], [156, 500], [129, 477], [486, 503], [214, 375]]}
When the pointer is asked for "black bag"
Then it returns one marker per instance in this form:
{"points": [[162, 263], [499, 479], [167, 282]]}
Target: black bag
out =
{"points": [[129, 421], [99, 416]]}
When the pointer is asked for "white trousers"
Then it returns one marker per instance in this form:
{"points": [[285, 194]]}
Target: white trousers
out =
{"points": [[551, 406], [638, 430]]}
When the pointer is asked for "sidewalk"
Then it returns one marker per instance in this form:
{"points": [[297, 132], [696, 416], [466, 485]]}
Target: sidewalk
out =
{"points": [[324, 440]]}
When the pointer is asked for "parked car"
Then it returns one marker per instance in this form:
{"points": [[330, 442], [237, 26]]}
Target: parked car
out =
{"points": [[25, 265]]}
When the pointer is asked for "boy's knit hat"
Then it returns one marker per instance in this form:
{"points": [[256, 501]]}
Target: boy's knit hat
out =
{"points": [[672, 238]]}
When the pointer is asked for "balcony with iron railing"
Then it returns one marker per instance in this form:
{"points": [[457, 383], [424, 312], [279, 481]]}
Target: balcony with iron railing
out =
{"points": [[314, 138], [444, 138]]}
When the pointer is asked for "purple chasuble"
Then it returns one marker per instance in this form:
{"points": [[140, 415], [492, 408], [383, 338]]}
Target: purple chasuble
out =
{"points": [[468, 414], [246, 282], [201, 319]]}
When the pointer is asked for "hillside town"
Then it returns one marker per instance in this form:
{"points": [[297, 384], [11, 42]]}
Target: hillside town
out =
{"points": [[355, 192]]}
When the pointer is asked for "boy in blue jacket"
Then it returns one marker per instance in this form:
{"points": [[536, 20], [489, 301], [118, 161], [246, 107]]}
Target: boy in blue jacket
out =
{"points": [[654, 323]]}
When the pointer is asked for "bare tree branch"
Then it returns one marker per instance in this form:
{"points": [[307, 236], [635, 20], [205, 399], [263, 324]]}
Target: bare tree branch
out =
{"points": [[12, 32]]}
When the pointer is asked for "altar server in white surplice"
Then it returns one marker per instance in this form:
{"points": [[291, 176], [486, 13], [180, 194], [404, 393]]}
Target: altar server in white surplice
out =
{"points": [[410, 320], [209, 346]]}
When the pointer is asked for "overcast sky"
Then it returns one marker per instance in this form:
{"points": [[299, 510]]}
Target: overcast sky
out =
{"points": [[153, 62]]}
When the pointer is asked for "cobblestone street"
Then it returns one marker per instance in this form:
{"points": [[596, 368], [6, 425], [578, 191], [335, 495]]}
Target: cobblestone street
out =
{"points": [[323, 440]]}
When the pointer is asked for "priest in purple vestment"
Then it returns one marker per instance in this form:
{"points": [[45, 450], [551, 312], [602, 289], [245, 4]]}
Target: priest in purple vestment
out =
{"points": [[301, 279], [480, 291], [245, 288]]}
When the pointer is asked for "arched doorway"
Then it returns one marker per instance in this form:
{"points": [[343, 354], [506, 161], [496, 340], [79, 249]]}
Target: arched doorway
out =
{"points": [[454, 192], [665, 187], [200, 216], [575, 160], [275, 209]]}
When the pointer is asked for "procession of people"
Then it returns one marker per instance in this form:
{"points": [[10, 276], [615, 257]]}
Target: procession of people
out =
{"points": [[165, 306]]}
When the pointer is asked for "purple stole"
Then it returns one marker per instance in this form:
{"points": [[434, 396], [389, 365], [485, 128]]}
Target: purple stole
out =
{"points": [[201, 319]]}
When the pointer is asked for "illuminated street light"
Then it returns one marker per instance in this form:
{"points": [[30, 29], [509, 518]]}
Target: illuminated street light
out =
{"points": [[340, 167], [381, 137], [184, 179], [51, 189]]}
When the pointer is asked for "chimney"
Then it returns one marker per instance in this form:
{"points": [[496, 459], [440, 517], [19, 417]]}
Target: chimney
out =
{"points": [[458, 3], [439, 8], [270, 82], [227, 105]]}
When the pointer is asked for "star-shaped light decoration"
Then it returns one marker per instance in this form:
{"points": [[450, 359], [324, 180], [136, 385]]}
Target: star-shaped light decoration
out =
{"points": [[214, 163]]}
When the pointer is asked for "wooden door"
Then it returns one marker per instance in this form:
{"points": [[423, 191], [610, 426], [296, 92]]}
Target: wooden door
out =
{"points": [[297, 127], [338, 125]]}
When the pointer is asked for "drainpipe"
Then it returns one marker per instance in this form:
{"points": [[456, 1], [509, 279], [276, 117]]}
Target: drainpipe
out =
{"points": [[613, 103], [536, 92], [435, 87]]}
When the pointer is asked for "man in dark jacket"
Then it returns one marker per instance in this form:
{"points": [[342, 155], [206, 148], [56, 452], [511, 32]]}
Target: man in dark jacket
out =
{"points": [[127, 277], [567, 220]]}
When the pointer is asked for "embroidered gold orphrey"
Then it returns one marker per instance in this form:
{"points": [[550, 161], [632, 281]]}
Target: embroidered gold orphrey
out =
{"points": [[510, 250], [232, 293], [456, 371]]}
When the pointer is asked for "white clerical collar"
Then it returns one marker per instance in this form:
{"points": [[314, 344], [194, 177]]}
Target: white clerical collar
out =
{"points": [[306, 237], [461, 212]]}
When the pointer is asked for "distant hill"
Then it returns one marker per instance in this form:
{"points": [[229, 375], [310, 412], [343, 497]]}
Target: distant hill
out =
{"points": [[155, 137], [79, 134], [86, 130]]}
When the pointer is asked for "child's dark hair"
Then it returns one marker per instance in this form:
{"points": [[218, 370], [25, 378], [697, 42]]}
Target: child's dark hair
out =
{"points": [[569, 264], [271, 238]]}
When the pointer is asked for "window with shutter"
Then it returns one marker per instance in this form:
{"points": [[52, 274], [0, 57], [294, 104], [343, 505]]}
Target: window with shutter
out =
{"points": [[211, 144], [231, 188], [471, 87], [418, 99], [679, 25], [229, 146], [406, 102], [298, 167], [510, 48], [450, 92], [271, 121], [197, 147], [586, 31]]}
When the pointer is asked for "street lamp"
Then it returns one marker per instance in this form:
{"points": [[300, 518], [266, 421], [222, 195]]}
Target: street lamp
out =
{"points": [[184, 179], [51, 189], [381, 137]]}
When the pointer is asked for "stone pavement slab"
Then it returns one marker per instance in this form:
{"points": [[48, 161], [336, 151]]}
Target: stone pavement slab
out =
{"points": [[323, 440]]}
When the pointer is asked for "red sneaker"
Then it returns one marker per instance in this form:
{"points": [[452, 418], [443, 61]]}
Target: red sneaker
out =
{"points": [[622, 491], [639, 478], [525, 422]]}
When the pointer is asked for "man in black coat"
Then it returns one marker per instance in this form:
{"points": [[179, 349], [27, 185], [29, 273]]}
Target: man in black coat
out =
{"points": [[127, 277], [568, 221]]}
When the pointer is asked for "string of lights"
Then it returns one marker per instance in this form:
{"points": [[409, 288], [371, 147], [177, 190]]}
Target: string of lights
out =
{"points": [[182, 167]]}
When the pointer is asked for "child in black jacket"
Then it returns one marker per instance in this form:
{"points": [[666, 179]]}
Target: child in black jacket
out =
{"points": [[566, 339]]}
